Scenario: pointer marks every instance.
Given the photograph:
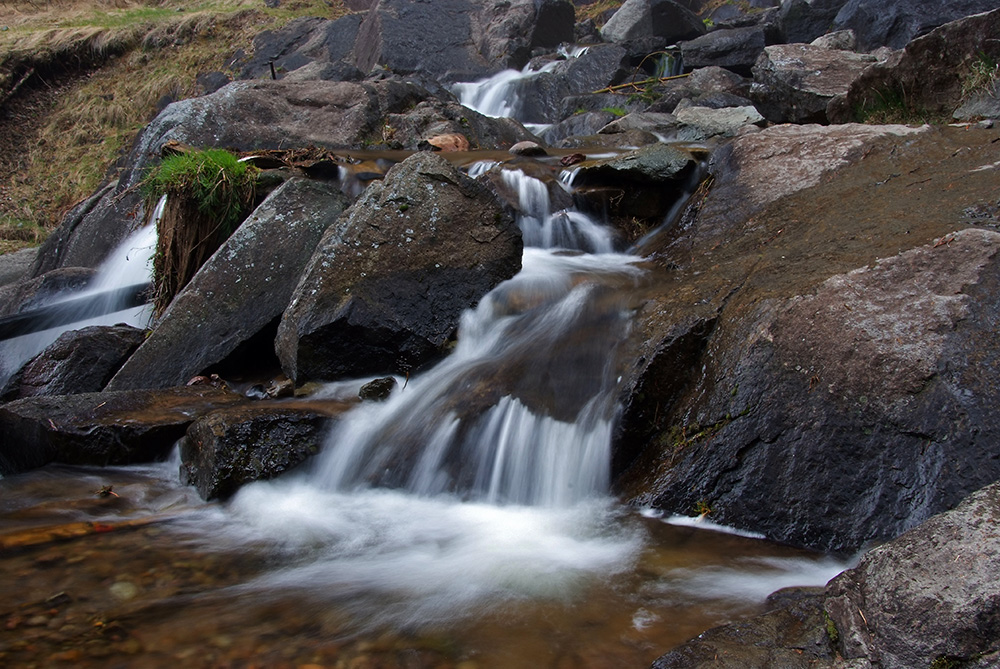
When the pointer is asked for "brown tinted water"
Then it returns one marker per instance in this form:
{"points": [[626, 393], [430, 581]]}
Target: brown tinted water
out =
{"points": [[151, 576]]}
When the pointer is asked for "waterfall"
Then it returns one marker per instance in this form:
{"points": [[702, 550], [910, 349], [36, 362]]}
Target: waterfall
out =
{"points": [[105, 301], [522, 410]]}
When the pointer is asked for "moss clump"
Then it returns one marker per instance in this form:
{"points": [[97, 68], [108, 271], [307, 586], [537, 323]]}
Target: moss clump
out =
{"points": [[209, 193], [831, 629]]}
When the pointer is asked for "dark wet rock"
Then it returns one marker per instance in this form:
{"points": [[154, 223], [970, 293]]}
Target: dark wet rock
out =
{"points": [[621, 139], [226, 449], [791, 634], [513, 30], [930, 594], [841, 357], [894, 23], [927, 76], [736, 49], [763, 13], [639, 184], [410, 128], [378, 390], [80, 361], [388, 282], [805, 20], [716, 101], [101, 428], [16, 266], [240, 291], [794, 83], [705, 81], [649, 122], [644, 26], [556, 92], [29, 294], [302, 42], [209, 82]]}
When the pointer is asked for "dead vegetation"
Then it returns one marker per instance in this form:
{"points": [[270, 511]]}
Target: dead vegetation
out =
{"points": [[78, 79]]}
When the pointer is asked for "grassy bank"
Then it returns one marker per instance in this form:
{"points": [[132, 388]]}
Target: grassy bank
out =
{"points": [[78, 79]]}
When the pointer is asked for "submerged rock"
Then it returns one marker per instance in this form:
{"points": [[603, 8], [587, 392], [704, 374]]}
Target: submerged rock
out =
{"points": [[389, 280]]}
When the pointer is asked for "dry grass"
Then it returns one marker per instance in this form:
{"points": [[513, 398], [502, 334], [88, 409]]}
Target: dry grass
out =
{"points": [[123, 58], [595, 10]]}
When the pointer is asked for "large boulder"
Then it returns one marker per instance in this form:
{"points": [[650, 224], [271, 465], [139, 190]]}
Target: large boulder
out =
{"points": [[302, 42], [16, 266], [928, 598], [929, 595], [389, 280], [79, 361], [822, 367], [513, 30], [231, 447], [931, 76], [645, 26], [895, 22], [101, 428], [736, 49], [794, 83], [240, 291], [547, 96]]}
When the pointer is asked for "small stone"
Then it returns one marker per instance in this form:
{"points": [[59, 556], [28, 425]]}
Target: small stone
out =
{"points": [[378, 390], [527, 148], [124, 590]]}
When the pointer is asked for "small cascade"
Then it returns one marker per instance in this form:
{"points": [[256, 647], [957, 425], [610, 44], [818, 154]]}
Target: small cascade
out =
{"points": [[541, 227], [108, 300], [498, 96]]}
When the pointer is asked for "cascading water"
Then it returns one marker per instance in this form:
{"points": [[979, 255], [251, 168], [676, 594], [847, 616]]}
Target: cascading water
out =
{"points": [[105, 301]]}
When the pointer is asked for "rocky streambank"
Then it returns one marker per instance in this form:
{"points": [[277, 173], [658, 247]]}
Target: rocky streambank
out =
{"points": [[813, 354]]}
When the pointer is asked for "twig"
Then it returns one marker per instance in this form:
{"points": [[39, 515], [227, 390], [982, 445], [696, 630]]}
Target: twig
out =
{"points": [[12, 91], [637, 84]]}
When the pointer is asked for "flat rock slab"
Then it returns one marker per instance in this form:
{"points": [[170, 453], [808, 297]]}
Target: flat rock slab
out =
{"points": [[102, 428]]}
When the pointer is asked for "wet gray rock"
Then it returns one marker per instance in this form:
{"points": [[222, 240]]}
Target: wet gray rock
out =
{"points": [[229, 448], [927, 595], [843, 370], [79, 361], [794, 83], [637, 185], [981, 105], [584, 123], [101, 428], [65, 247], [896, 22], [388, 282], [29, 294], [736, 49], [930, 70], [241, 290], [644, 26], [16, 266]]}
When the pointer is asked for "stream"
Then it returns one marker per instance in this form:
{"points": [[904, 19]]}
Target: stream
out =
{"points": [[466, 522]]}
